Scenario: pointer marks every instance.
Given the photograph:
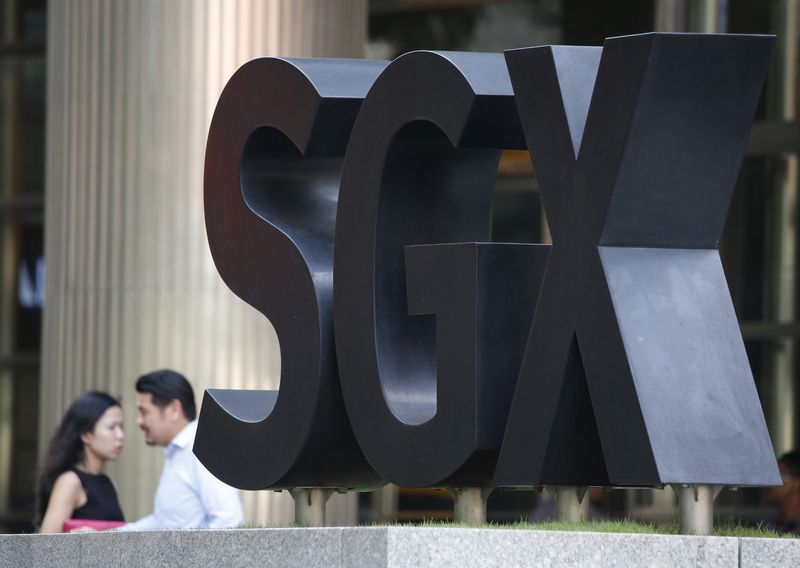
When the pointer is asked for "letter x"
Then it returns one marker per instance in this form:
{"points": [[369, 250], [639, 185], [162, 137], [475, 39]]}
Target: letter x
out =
{"points": [[635, 372]]}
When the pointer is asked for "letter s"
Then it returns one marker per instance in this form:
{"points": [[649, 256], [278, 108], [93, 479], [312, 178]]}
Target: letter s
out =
{"points": [[272, 170]]}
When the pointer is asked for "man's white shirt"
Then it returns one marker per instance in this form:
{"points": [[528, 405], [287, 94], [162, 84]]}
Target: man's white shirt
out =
{"points": [[188, 496]]}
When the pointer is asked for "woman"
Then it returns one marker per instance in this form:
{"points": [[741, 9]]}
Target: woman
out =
{"points": [[72, 484]]}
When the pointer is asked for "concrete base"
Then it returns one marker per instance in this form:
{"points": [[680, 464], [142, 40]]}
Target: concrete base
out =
{"points": [[396, 547]]}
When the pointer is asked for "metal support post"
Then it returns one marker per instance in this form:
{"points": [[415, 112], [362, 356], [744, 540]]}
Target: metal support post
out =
{"points": [[696, 505], [570, 502], [309, 506], [470, 504]]}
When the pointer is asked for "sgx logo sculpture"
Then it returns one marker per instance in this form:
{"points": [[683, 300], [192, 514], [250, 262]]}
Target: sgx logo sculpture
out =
{"points": [[351, 200]]}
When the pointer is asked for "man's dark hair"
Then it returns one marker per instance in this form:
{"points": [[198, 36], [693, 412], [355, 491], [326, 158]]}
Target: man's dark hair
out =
{"points": [[165, 386], [791, 463]]}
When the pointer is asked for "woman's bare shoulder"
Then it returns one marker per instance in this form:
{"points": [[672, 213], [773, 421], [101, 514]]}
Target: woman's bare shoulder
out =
{"points": [[67, 495], [68, 483]]}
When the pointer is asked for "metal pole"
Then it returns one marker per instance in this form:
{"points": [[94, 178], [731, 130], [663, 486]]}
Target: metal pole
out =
{"points": [[670, 16], [570, 503], [309, 506], [696, 505], [470, 504]]}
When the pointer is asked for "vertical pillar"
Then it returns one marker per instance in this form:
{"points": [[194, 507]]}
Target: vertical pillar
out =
{"points": [[9, 94], [571, 503], [131, 286], [384, 504], [782, 395], [309, 506], [704, 16], [469, 504], [710, 16], [670, 16], [696, 507]]}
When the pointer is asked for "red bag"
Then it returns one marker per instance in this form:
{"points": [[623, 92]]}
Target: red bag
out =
{"points": [[72, 524]]}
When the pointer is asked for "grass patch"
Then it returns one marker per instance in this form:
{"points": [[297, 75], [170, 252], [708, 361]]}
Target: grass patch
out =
{"points": [[737, 529], [624, 526], [621, 526], [255, 525]]}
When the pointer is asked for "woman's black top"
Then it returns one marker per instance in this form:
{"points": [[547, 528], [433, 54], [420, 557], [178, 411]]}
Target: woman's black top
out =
{"points": [[102, 503]]}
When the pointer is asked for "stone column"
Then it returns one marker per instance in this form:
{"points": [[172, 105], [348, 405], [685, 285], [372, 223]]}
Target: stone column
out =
{"points": [[131, 286], [782, 388]]}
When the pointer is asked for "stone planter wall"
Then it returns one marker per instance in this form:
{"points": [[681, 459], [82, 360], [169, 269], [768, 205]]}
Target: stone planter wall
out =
{"points": [[391, 547]]}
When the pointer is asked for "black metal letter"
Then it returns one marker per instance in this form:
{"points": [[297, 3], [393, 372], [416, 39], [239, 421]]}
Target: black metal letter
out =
{"points": [[635, 346], [428, 395], [272, 171]]}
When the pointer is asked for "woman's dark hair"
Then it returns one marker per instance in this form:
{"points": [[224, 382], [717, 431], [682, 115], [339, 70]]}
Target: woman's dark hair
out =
{"points": [[167, 385], [791, 463], [66, 447]]}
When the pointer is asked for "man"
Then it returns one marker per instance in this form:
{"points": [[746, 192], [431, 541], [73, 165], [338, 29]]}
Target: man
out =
{"points": [[787, 497], [188, 496]]}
